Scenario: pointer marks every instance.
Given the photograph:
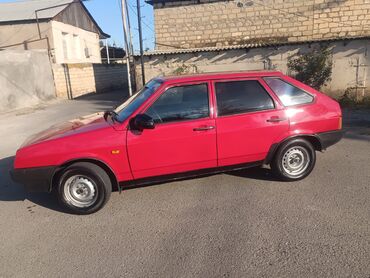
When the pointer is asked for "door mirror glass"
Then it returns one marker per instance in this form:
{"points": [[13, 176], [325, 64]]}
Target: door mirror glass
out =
{"points": [[142, 121]]}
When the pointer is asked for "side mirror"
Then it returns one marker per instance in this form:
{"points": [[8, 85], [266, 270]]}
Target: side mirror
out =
{"points": [[143, 121]]}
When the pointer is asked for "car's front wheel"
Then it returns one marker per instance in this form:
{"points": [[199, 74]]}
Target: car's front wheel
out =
{"points": [[294, 160], [84, 188]]}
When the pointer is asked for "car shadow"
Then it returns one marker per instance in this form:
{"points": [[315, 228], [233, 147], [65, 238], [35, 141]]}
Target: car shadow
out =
{"points": [[13, 192], [108, 100], [256, 173]]}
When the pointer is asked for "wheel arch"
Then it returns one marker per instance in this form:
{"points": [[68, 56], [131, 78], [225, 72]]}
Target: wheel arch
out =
{"points": [[100, 163], [313, 139]]}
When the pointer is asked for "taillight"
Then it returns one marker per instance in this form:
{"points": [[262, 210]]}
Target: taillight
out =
{"points": [[340, 123]]}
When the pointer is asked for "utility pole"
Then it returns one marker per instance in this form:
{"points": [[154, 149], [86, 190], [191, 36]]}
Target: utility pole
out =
{"points": [[124, 21], [141, 41], [107, 49], [133, 64], [129, 30]]}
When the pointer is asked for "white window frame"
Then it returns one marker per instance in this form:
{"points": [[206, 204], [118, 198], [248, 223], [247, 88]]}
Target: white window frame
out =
{"points": [[76, 47], [65, 45]]}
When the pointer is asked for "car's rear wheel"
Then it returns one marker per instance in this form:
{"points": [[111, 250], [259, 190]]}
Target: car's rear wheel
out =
{"points": [[294, 160], [84, 188]]}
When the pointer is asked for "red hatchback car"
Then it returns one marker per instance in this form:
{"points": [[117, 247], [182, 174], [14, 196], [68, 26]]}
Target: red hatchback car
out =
{"points": [[182, 126]]}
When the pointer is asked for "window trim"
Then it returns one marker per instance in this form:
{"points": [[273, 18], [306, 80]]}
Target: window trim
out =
{"points": [[239, 80], [293, 105], [170, 86]]}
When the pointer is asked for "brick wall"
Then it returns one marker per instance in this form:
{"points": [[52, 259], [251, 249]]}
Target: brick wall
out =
{"points": [[189, 24], [73, 80]]}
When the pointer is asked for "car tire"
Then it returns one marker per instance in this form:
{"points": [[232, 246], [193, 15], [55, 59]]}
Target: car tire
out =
{"points": [[83, 188], [294, 160]]}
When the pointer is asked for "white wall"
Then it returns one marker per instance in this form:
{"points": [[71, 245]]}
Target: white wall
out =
{"points": [[76, 51]]}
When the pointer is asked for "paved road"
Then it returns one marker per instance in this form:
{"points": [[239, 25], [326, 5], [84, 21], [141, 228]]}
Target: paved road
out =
{"points": [[240, 224]]}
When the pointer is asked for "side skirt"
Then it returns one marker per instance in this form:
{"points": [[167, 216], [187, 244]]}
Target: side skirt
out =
{"points": [[187, 175]]}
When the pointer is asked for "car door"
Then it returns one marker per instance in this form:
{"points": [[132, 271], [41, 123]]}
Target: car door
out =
{"points": [[184, 137], [249, 120]]}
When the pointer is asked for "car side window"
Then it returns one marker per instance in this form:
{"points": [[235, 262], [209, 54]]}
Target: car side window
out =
{"points": [[237, 97], [287, 93], [181, 103]]}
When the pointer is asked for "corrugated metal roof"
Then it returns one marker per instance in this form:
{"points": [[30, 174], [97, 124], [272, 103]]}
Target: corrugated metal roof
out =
{"points": [[243, 46], [20, 11], [202, 49], [151, 2]]}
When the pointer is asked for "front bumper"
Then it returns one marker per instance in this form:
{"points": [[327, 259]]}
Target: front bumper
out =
{"points": [[34, 179], [330, 138]]}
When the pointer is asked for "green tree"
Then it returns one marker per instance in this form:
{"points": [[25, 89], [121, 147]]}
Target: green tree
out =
{"points": [[313, 68]]}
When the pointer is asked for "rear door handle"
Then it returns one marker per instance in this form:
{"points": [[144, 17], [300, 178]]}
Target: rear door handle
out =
{"points": [[276, 119], [204, 128]]}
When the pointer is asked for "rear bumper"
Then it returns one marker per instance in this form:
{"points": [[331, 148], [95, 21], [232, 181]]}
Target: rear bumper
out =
{"points": [[330, 138], [34, 179]]}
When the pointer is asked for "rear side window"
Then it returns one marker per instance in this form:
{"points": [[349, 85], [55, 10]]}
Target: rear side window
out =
{"points": [[181, 103], [288, 94], [236, 97]]}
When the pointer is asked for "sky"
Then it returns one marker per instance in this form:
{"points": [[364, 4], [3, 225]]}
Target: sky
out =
{"points": [[108, 15]]}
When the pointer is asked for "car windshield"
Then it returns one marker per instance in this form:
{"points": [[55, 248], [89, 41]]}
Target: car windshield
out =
{"points": [[134, 102]]}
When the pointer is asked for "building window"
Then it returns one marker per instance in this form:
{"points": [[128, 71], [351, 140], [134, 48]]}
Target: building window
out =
{"points": [[76, 47], [65, 45]]}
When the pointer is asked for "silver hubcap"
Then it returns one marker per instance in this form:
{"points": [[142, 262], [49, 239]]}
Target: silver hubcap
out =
{"points": [[80, 191], [295, 161]]}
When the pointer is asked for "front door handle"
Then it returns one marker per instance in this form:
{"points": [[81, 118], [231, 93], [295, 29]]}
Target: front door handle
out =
{"points": [[204, 128], [276, 119]]}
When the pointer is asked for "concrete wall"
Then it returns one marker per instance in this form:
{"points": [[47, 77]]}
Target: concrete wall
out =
{"points": [[19, 33], [25, 79], [199, 23], [73, 80], [345, 56]]}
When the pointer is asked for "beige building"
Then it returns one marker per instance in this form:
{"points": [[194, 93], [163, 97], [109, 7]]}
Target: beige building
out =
{"points": [[64, 27], [211, 23]]}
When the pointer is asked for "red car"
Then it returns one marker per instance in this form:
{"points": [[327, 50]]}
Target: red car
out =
{"points": [[182, 126]]}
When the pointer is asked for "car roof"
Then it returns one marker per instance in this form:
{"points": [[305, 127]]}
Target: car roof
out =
{"points": [[218, 75]]}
